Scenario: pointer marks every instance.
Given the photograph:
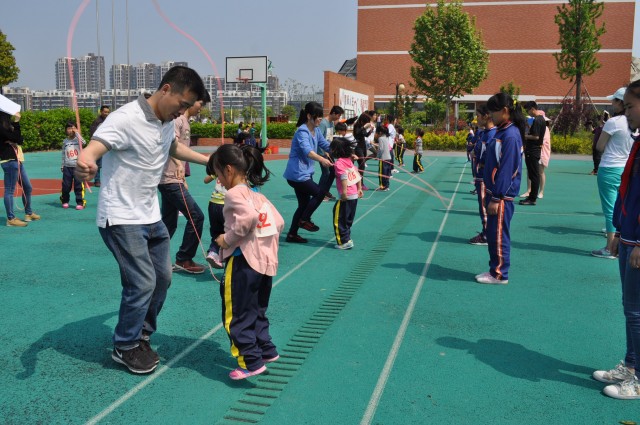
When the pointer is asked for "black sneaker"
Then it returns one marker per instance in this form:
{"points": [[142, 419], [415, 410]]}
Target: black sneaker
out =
{"points": [[137, 360], [308, 225], [478, 239], [145, 344]]}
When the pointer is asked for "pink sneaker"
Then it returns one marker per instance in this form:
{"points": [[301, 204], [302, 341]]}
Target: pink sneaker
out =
{"points": [[79, 207], [271, 359], [65, 205], [214, 260], [241, 373]]}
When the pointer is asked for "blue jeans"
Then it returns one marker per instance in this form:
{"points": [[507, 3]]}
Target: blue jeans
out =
{"points": [[142, 253], [14, 172], [630, 278], [175, 198]]}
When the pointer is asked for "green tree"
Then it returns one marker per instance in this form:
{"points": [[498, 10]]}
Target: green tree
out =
{"points": [[290, 111], [8, 69], [511, 88], [448, 52], [579, 41]]}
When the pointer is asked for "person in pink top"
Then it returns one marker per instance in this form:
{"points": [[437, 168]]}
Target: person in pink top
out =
{"points": [[349, 185], [249, 244]]}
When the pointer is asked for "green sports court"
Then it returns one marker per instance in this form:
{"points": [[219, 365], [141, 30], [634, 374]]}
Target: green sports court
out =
{"points": [[394, 331]]}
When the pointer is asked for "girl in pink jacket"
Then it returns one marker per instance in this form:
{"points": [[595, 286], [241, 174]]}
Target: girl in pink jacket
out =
{"points": [[249, 245]]}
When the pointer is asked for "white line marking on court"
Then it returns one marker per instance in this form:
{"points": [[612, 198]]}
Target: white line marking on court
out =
{"points": [[160, 371], [519, 211], [374, 401]]}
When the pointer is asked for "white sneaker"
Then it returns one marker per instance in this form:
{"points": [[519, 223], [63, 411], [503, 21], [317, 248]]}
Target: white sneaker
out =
{"points": [[603, 253], [614, 376], [626, 390], [490, 280], [347, 245], [485, 274], [394, 171]]}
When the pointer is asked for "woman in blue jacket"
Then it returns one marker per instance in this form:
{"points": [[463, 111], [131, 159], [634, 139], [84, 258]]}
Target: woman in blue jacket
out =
{"points": [[300, 169]]}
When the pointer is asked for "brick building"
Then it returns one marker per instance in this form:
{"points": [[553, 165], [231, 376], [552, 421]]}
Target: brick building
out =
{"points": [[519, 35]]}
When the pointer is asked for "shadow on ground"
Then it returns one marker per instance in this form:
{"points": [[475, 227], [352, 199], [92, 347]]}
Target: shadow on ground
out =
{"points": [[517, 361]]}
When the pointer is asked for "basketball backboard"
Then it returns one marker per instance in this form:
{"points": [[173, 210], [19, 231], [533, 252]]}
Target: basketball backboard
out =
{"points": [[250, 69]]}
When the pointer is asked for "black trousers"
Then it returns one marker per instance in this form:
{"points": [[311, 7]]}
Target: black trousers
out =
{"points": [[343, 214], [532, 159], [68, 180], [245, 297]]}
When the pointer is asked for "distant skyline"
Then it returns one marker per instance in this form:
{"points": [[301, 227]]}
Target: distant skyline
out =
{"points": [[301, 41]]}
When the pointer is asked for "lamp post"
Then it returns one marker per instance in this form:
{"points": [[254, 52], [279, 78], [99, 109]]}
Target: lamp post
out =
{"points": [[397, 109]]}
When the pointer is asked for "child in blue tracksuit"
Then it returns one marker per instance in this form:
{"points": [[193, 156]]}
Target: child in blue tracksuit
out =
{"points": [[624, 379], [484, 135], [502, 173]]}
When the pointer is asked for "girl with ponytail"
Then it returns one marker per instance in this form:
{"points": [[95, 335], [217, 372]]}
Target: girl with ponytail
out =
{"points": [[249, 244], [501, 176], [300, 168]]}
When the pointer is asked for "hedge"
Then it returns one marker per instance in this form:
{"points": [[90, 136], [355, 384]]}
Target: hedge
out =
{"points": [[45, 131]]}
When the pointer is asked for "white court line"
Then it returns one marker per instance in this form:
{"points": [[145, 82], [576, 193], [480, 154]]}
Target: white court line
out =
{"points": [[535, 213], [160, 371], [374, 401]]}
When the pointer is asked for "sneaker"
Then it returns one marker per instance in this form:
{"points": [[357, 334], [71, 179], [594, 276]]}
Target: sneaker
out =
{"points": [[527, 202], [190, 267], [490, 280], [241, 373], [329, 195], [137, 360], [485, 274], [271, 359], [16, 222], [382, 189], [478, 239], [65, 205], [214, 260], [525, 195], [603, 253], [295, 239], [394, 171], [614, 376], [626, 390], [145, 345], [79, 207], [308, 226], [540, 195], [346, 245], [31, 217]]}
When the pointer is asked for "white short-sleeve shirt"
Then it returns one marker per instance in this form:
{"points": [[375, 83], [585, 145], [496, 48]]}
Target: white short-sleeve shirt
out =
{"points": [[617, 149], [138, 144]]}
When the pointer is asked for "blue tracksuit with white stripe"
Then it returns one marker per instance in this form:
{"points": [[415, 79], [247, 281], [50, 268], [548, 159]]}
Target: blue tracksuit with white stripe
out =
{"points": [[502, 173], [479, 151]]}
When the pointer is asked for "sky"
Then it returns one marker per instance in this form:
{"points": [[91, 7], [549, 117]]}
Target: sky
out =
{"points": [[301, 39]]}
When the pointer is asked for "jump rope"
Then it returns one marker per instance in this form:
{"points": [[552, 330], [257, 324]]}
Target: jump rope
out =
{"points": [[431, 190]]}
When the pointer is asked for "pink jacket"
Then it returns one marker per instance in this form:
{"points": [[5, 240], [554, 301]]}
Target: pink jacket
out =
{"points": [[252, 224]]}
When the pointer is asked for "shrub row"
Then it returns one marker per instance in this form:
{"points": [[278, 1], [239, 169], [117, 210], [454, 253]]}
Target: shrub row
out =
{"points": [[45, 131]]}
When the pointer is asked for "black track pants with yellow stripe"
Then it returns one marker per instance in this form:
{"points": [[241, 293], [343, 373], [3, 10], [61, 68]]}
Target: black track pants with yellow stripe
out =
{"points": [[245, 297]]}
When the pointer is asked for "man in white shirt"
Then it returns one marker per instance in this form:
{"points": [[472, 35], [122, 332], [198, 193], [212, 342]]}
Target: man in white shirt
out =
{"points": [[134, 143]]}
